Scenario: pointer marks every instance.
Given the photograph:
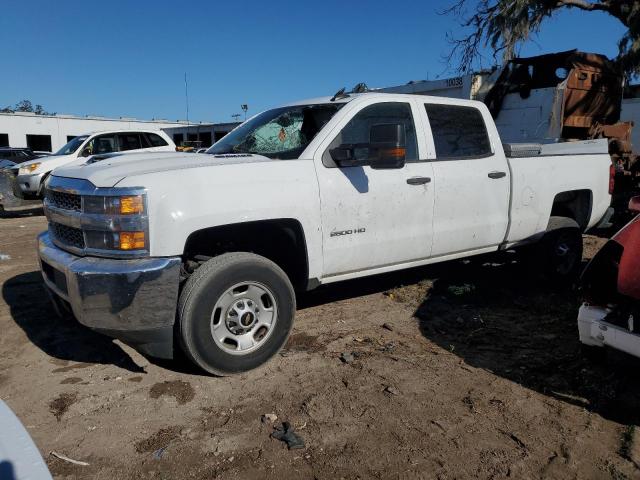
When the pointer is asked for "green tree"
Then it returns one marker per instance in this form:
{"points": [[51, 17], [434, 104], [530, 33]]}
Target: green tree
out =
{"points": [[504, 25], [26, 106]]}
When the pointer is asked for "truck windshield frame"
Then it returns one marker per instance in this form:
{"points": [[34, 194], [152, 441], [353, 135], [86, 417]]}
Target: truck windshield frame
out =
{"points": [[281, 133]]}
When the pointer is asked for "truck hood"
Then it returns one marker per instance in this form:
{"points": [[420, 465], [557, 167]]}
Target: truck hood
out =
{"points": [[108, 170]]}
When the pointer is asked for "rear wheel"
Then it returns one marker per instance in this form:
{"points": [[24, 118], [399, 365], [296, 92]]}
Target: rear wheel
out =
{"points": [[235, 313], [561, 250]]}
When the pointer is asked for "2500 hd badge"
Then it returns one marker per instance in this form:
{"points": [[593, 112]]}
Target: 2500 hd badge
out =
{"points": [[347, 232]]}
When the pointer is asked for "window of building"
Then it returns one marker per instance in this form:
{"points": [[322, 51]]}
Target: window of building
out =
{"points": [[156, 140], [40, 143], [205, 138], [358, 129], [70, 137], [178, 138], [218, 135], [458, 132], [192, 137], [4, 139]]}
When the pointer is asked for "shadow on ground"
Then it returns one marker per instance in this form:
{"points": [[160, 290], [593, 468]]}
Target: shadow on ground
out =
{"points": [[498, 318], [61, 338]]}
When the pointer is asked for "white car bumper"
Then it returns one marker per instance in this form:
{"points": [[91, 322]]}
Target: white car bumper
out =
{"points": [[30, 183], [595, 331]]}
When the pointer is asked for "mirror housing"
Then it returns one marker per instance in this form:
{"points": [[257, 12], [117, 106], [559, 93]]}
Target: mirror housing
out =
{"points": [[386, 149], [85, 153], [634, 204], [388, 145]]}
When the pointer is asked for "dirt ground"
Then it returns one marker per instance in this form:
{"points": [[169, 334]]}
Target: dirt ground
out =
{"points": [[476, 373]]}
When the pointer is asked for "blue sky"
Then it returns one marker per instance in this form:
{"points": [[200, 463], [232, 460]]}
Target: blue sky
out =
{"points": [[128, 58]]}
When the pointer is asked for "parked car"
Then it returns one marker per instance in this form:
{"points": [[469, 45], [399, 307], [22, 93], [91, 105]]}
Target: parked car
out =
{"points": [[11, 156], [31, 175], [298, 196], [610, 315]]}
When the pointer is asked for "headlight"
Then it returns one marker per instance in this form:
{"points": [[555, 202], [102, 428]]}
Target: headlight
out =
{"points": [[121, 222], [124, 241], [28, 168], [122, 205]]}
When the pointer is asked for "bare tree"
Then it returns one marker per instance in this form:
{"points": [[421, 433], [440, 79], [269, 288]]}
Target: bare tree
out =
{"points": [[504, 25]]}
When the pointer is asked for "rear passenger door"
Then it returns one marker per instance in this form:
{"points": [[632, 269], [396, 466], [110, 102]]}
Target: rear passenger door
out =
{"points": [[471, 181]]}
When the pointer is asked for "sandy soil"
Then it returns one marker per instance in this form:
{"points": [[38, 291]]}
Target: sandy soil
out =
{"points": [[476, 373]]}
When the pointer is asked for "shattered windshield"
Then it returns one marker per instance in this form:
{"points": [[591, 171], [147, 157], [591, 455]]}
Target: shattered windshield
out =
{"points": [[281, 133], [72, 146]]}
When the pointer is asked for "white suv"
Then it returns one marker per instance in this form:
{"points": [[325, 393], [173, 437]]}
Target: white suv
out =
{"points": [[31, 175]]}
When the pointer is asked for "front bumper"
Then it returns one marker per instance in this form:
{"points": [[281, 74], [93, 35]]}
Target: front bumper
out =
{"points": [[133, 300], [595, 331], [29, 184]]}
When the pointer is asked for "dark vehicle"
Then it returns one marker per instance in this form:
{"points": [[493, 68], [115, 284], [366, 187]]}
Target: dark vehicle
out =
{"points": [[15, 156], [611, 286]]}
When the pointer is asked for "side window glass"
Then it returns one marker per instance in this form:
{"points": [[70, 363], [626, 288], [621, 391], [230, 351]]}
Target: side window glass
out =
{"points": [[358, 129], [156, 140], [129, 141], [458, 132], [99, 145], [144, 141]]}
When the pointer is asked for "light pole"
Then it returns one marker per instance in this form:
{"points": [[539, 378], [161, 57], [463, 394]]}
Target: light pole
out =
{"points": [[244, 108]]}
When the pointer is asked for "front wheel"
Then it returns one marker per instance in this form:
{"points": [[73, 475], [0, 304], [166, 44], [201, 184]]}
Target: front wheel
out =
{"points": [[235, 313]]}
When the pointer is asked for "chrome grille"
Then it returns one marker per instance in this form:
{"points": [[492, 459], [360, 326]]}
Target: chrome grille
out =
{"points": [[68, 236], [63, 200]]}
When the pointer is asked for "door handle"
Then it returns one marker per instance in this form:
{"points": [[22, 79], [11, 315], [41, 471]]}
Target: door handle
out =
{"points": [[496, 175], [418, 180]]}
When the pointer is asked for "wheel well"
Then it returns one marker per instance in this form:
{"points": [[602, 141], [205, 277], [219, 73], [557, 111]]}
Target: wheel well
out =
{"points": [[575, 204], [280, 240]]}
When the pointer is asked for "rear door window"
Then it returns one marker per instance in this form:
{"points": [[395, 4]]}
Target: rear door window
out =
{"points": [[129, 141], [459, 132], [156, 140]]}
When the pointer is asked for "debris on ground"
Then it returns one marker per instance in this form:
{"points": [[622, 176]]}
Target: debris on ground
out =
{"points": [[286, 434], [67, 459], [391, 390], [347, 357], [387, 326], [269, 418]]}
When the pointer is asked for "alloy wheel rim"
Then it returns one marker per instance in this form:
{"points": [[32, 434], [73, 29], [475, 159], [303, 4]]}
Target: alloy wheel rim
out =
{"points": [[244, 317]]}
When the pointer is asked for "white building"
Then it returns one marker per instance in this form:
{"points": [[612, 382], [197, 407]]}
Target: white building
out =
{"points": [[50, 132]]}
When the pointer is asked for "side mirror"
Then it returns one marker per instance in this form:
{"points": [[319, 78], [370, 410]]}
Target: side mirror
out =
{"points": [[387, 145], [634, 205], [386, 149], [85, 153]]}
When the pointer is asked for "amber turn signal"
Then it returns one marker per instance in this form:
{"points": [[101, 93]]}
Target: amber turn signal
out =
{"points": [[131, 205], [132, 240]]}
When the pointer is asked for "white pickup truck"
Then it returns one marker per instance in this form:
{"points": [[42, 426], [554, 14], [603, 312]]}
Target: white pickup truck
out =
{"points": [[204, 252]]}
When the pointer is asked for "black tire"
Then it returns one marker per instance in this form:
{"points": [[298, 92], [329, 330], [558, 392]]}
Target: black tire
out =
{"points": [[561, 250], [205, 288]]}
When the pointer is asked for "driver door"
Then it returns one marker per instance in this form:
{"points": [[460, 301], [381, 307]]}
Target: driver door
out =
{"points": [[375, 218]]}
